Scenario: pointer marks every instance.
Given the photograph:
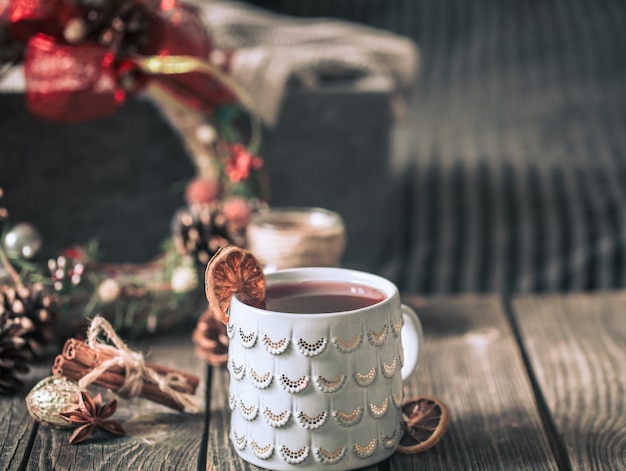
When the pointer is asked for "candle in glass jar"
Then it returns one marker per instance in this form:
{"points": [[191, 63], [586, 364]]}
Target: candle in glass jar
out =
{"points": [[296, 237]]}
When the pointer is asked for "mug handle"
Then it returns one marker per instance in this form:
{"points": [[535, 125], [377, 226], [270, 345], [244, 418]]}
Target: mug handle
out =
{"points": [[412, 337]]}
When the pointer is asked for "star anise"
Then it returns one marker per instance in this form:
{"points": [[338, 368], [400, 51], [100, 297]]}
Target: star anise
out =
{"points": [[91, 413]]}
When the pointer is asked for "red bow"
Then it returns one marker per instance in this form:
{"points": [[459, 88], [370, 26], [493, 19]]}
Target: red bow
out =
{"points": [[72, 75]]}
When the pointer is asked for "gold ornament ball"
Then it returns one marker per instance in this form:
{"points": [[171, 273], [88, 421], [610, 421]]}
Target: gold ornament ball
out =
{"points": [[49, 397]]}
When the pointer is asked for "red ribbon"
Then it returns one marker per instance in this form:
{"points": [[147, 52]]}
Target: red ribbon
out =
{"points": [[29, 17], [78, 82]]}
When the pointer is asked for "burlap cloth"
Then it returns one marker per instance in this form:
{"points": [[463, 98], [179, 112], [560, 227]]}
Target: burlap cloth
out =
{"points": [[271, 50]]}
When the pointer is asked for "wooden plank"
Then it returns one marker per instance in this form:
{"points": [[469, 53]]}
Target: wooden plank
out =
{"points": [[471, 361], [576, 345], [16, 426], [157, 437]]}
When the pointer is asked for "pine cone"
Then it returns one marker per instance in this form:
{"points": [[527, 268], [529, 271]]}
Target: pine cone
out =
{"points": [[33, 309], [14, 354], [119, 24], [200, 233], [211, 340]]}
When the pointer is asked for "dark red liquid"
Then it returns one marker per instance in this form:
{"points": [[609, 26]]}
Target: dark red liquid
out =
{"points": [[317, 297]]}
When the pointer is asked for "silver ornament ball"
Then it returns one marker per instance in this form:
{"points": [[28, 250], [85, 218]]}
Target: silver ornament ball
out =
{"points": [[23, 240], [51, 396]]}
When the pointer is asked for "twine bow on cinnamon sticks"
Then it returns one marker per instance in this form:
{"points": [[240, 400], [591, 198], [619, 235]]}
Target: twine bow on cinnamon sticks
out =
{"points": [[116, 367]]}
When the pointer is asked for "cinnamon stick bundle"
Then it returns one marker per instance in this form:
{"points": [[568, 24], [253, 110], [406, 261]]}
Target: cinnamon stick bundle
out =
{"points": [[87, 356], [77, 359]]}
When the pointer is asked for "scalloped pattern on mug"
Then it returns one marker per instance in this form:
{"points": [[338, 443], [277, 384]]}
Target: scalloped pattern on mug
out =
{"points": [[238, 371], [230, 330], [248, 412], [348, 346], [365, 451], [275, 348], [248, 340], [311, 423], [263, 452], [379, 411], [261, 381], [294, 457], [330, 457], [330, 385], [365, 379], [348, 419], [312, 349], [389, 441], [232, 401], [378, 339], [389, 370], [396, 327], [396, 399], [293, 386], [401, 356], [239, 441], [276, 420]]}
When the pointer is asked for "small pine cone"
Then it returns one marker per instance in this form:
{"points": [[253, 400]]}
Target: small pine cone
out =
{"points": [[211, 340], [119, 23], [34, 309], [200, 233], [14, 354], [231, 231]]}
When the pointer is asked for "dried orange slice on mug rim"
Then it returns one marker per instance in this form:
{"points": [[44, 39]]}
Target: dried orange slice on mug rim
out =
{"points": [[233, 270]]}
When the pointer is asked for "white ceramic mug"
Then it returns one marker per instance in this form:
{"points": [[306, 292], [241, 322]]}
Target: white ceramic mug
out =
{"points": [[324, 390]]}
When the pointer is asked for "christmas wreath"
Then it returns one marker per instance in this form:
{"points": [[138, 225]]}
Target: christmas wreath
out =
{"points": [[81, 60]]}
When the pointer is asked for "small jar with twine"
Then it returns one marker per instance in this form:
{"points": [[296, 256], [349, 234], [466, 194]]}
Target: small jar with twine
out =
{"points": [[296, 237]]}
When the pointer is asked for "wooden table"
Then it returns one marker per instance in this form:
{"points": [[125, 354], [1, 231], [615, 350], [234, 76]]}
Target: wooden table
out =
{"points": [[532, 383]]}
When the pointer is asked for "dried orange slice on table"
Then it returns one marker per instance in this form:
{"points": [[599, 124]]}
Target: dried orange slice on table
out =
{"points": [[233, 270], [425, 421]]}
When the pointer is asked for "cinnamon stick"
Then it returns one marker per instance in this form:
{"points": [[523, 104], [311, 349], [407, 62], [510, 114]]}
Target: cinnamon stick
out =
{"points": [[74, 371], [116, 380], [82, 353], [118, 376]]}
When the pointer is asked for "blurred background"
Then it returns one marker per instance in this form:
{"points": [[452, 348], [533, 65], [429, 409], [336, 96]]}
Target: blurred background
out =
{"points": [[508, 174], [501, 170]]}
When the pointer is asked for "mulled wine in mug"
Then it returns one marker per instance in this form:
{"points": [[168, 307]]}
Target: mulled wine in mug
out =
{"points": [[316, 378]]}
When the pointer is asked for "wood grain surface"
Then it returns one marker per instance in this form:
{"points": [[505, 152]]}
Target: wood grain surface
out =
{"points": [[543, 392], [471, 362], [17, 429], [157, 438], [576, 346]]}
